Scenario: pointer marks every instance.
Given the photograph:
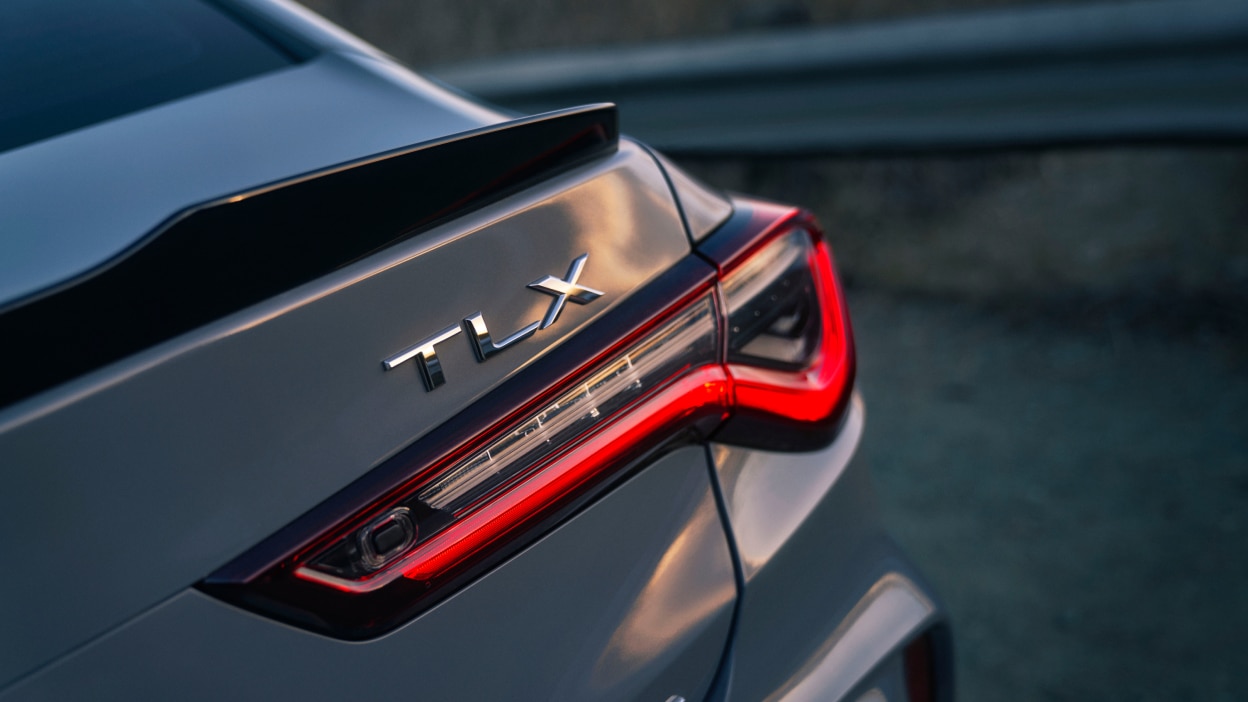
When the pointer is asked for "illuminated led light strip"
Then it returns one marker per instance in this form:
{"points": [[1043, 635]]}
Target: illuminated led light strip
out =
{"points": [[705, 388], [620, 381]]}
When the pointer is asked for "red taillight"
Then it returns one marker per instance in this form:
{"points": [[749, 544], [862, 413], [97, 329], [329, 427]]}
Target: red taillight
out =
{"points": [[760, 354], [791, 379]]}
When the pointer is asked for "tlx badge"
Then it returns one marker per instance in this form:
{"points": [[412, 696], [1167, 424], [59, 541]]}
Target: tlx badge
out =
{"points": [[425, 352]]}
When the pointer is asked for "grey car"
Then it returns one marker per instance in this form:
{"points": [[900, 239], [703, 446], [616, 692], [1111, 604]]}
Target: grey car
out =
{"points": [[323, 381]]}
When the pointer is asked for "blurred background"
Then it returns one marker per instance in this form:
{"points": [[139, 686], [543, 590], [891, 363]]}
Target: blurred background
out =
{"points": [[1053, 344]]}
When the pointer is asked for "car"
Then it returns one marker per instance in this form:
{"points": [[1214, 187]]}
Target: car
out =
{"points": [[322, 380]]}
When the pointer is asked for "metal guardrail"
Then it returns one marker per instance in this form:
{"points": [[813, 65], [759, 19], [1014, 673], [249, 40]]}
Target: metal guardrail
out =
{"points": [[1157, 70]]}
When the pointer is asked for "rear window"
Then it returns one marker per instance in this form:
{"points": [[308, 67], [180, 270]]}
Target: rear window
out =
{"points": [[67, 64]]}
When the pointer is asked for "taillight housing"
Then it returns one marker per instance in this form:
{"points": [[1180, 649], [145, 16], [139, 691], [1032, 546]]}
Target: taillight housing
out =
{"points": [[789, 347], [754, 350]]}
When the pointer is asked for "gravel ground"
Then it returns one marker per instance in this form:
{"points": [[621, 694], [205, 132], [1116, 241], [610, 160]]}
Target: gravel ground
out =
{"points": [[1078, 494]]}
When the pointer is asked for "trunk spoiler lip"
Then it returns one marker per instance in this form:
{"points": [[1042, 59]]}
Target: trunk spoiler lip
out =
{"points": [[215, 258]]}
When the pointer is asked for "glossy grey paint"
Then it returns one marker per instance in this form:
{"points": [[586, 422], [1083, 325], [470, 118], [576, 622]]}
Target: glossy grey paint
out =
{"points": [[702, 207], [127, 485], [71, 203], [827, 597], [631, 599], [882, 620]]}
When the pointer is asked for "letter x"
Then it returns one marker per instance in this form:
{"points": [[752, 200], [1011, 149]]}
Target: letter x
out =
{"points": [[564, 289]]}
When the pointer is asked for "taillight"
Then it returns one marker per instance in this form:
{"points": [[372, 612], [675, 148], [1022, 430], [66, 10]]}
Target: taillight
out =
{"points": [[758, 353], [790, 351]]}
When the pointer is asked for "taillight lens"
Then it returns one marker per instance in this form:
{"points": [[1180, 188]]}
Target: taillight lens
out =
{"points": [[790, 350], [759, 354]]}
